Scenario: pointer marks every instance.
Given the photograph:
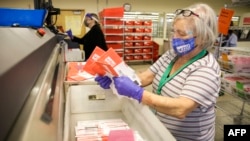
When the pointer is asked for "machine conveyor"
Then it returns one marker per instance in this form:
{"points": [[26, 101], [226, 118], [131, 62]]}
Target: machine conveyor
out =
{"points": [[33, 105]]}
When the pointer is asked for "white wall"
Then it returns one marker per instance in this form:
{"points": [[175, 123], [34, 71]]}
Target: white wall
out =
{"points": [[137, 5], [167, 6]]}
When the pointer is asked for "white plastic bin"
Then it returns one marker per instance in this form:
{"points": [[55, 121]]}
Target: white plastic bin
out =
{"points": [[139, 117]]}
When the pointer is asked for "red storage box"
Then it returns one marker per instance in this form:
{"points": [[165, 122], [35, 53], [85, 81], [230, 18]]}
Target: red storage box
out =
{"points": [[148, 43], [112, 22], [147, 30], [128, 50], [129, 22], [146, 37], [128, 44], [115, 45], [138, 43], [139, 30], [147, 56], [156, 53], [138, 57], [155, 45], [138, 50], [129, 37], [146, 50], [120, 54], [114, 38], [110, 30], [138, 37], [147, 23], [128, 30], [129, 57], [138, 22], [112, 12]]}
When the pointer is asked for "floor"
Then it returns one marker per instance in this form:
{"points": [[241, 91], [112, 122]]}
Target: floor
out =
{"points": [[229, 108]]}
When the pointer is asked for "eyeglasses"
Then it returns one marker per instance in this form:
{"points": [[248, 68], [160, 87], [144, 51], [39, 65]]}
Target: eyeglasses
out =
{"points": [[185, 13]]}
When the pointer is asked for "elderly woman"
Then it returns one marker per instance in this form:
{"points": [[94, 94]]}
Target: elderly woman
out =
{"points": [[185, 80]]}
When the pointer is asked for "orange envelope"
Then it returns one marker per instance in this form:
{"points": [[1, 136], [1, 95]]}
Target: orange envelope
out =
{"points": [[73, 69], [91, 66], [109, 60]]}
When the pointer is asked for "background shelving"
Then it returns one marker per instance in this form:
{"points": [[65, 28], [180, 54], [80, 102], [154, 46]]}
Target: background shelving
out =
{"points": [[131, 35], [113, 29], [235, 85], [138, 44]]}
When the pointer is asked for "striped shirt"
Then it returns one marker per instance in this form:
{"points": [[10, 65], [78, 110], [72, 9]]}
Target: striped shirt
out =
{"points": [[200, 81]]}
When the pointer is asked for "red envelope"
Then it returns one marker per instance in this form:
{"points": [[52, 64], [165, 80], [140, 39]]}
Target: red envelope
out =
{"points": [[121, 135]]}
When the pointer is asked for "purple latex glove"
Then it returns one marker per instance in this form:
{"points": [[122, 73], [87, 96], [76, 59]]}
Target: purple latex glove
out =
{"points": [[103, 81], [69, 33], [125, 86]]}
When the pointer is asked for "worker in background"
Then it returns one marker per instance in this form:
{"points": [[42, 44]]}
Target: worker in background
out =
{"points": [[185, 79], [232, 39], [221, 40], [94, 37]]}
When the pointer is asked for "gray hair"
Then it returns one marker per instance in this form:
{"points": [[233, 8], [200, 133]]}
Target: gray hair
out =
{"points": [[205, 26]]}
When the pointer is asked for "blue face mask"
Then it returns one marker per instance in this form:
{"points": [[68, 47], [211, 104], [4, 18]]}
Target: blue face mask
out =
{"points": [[183, 46]]}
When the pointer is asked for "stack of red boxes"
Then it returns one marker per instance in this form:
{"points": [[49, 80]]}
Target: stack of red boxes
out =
{"points": [[147, 38], [111, 19], [155, 51], [138, 39], [112, 12]]}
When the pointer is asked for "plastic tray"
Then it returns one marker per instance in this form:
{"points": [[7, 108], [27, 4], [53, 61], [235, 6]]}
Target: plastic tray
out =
{"points": [[139, 117], [68, 83]]}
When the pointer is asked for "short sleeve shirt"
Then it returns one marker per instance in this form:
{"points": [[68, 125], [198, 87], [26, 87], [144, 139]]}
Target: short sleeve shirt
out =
{"points": [[200, 81]]}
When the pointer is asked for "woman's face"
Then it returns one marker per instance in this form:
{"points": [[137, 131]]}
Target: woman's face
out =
{"points": [[182, 29], [183, 39], [87, 21]]}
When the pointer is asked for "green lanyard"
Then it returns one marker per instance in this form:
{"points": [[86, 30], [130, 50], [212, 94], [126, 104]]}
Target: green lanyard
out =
{"points": [[166, 78]]}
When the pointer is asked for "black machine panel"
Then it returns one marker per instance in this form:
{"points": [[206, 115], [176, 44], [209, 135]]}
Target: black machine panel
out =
{"points": [[23, 55]]}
